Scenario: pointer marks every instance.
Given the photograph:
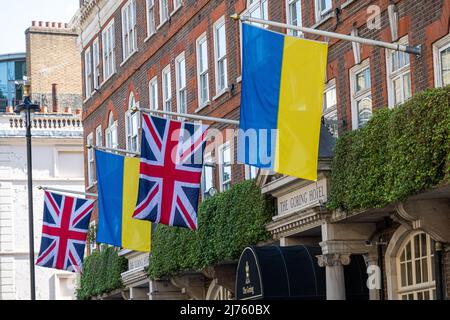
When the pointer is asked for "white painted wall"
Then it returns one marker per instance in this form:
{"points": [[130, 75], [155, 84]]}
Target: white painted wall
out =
{"points": [[57, 162]]}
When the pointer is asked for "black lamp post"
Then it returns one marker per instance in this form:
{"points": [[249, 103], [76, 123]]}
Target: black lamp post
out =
{"points": [[26, 109]]}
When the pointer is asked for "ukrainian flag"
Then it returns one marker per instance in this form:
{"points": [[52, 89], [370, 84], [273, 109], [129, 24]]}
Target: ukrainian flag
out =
{"points": [[118, 181], [283, 81]]}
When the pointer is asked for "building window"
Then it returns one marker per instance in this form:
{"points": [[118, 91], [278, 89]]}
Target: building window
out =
{"points": [[323, 9], [415, 269], [132, 125], [250, 172], [441, 52], [90, 158], [361, 94], [92, 237], [399, 76], [330, 108], [176, 4], [202, 71], [180, 70], [163, 11], [225, 167], [108, 51], [294, 16], [129, 40], [111, 133], [88, 71], [220, 53], [258, 9], [167, 89], [151, 27], [208, 176], [96, 63], [153, 93], [99, 136]]}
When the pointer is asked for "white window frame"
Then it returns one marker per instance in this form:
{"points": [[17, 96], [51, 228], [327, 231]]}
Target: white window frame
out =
{"points": [[322, 13], [415, 288], [109, 56], [163, 14], [392, 76], [132, 125], [88, 72], [202, 73], [207, 160], [329, 112], [251, 172], [96, 63], [167, 89], [129, 34], [176, 5], [181, 89], [262, 6], [440, 46], [153, 91], [360, 95], [217, 60], [111, 133], [223, 182], [90, 159], [93, 244], [99, 136], [151, 17], [291, 32]]}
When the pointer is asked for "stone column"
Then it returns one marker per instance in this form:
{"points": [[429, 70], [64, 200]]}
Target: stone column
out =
{"points": [[335, 281]]}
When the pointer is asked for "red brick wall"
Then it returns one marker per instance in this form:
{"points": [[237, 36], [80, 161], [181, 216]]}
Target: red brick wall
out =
{"points": [[424, 22]]}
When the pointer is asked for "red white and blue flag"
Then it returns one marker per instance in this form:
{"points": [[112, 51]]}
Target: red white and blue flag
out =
{"points": [[170, 171], [64, 232]]}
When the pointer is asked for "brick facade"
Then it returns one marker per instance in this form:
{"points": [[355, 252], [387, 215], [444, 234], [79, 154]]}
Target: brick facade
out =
{"points": [[424, 22], [53, 58]]}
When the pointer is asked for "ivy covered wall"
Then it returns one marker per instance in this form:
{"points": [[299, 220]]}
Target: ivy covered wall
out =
{"points": [[227, 223], [400, 152]]}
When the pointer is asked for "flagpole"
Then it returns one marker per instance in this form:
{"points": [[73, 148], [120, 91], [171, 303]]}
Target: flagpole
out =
{"points": [[187, 115], [68, 191], [113, 150], [417, 50]]}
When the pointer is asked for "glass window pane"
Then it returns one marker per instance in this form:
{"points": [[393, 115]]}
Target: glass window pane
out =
{"points": [[445, 66], [407, 86], [364, 107], [403, 274], [409, 273]]}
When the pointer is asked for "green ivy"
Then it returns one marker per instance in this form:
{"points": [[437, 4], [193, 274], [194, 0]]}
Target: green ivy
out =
{"points": [[400, 152], [101, 273], [227, 223]]}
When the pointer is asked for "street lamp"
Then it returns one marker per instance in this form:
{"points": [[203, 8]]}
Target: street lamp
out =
{"points": [[26, 109]]}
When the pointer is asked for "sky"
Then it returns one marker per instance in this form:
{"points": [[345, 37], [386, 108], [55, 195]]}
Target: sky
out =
{"points": [[16, 16]]}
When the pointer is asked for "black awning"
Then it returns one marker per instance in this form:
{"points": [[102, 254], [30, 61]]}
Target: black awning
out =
{"points": [[274, 272]]}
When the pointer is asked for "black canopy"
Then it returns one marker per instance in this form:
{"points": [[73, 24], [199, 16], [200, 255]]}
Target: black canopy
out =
{"points": [[274, 272]]}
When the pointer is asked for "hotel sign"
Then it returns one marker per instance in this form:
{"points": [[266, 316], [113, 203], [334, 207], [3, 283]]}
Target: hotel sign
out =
{"points": [[306, 197]]}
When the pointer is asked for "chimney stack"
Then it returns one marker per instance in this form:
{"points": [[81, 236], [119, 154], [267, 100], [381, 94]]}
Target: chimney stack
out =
{"points": [[54, 98]]}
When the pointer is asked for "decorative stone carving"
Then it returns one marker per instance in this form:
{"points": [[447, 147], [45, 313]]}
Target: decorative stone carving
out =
{"points": [[333, 260]]}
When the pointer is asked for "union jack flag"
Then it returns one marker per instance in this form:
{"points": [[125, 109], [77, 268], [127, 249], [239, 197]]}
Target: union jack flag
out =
{"points": [[170, 171], [64, 231]]}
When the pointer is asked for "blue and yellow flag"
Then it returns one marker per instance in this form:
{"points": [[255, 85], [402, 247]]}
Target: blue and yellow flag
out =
{"points": [[118, 181], [283, 81]]}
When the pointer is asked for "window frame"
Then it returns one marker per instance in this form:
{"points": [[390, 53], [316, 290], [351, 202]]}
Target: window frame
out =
{"points": [[320, 13], [129, 30], [151, 17], [111, 133], [329, 112], [99, 136], [132, 134], [224, 59], [167, 96], [179, 88], [109, 55], [163, 18], [222, 164], [208, 159], [154, 81], [205, 73], [400, 73], [291, 32], [90, 160], [438, 47], [96, 63], [88, 72], [357, 96]]}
